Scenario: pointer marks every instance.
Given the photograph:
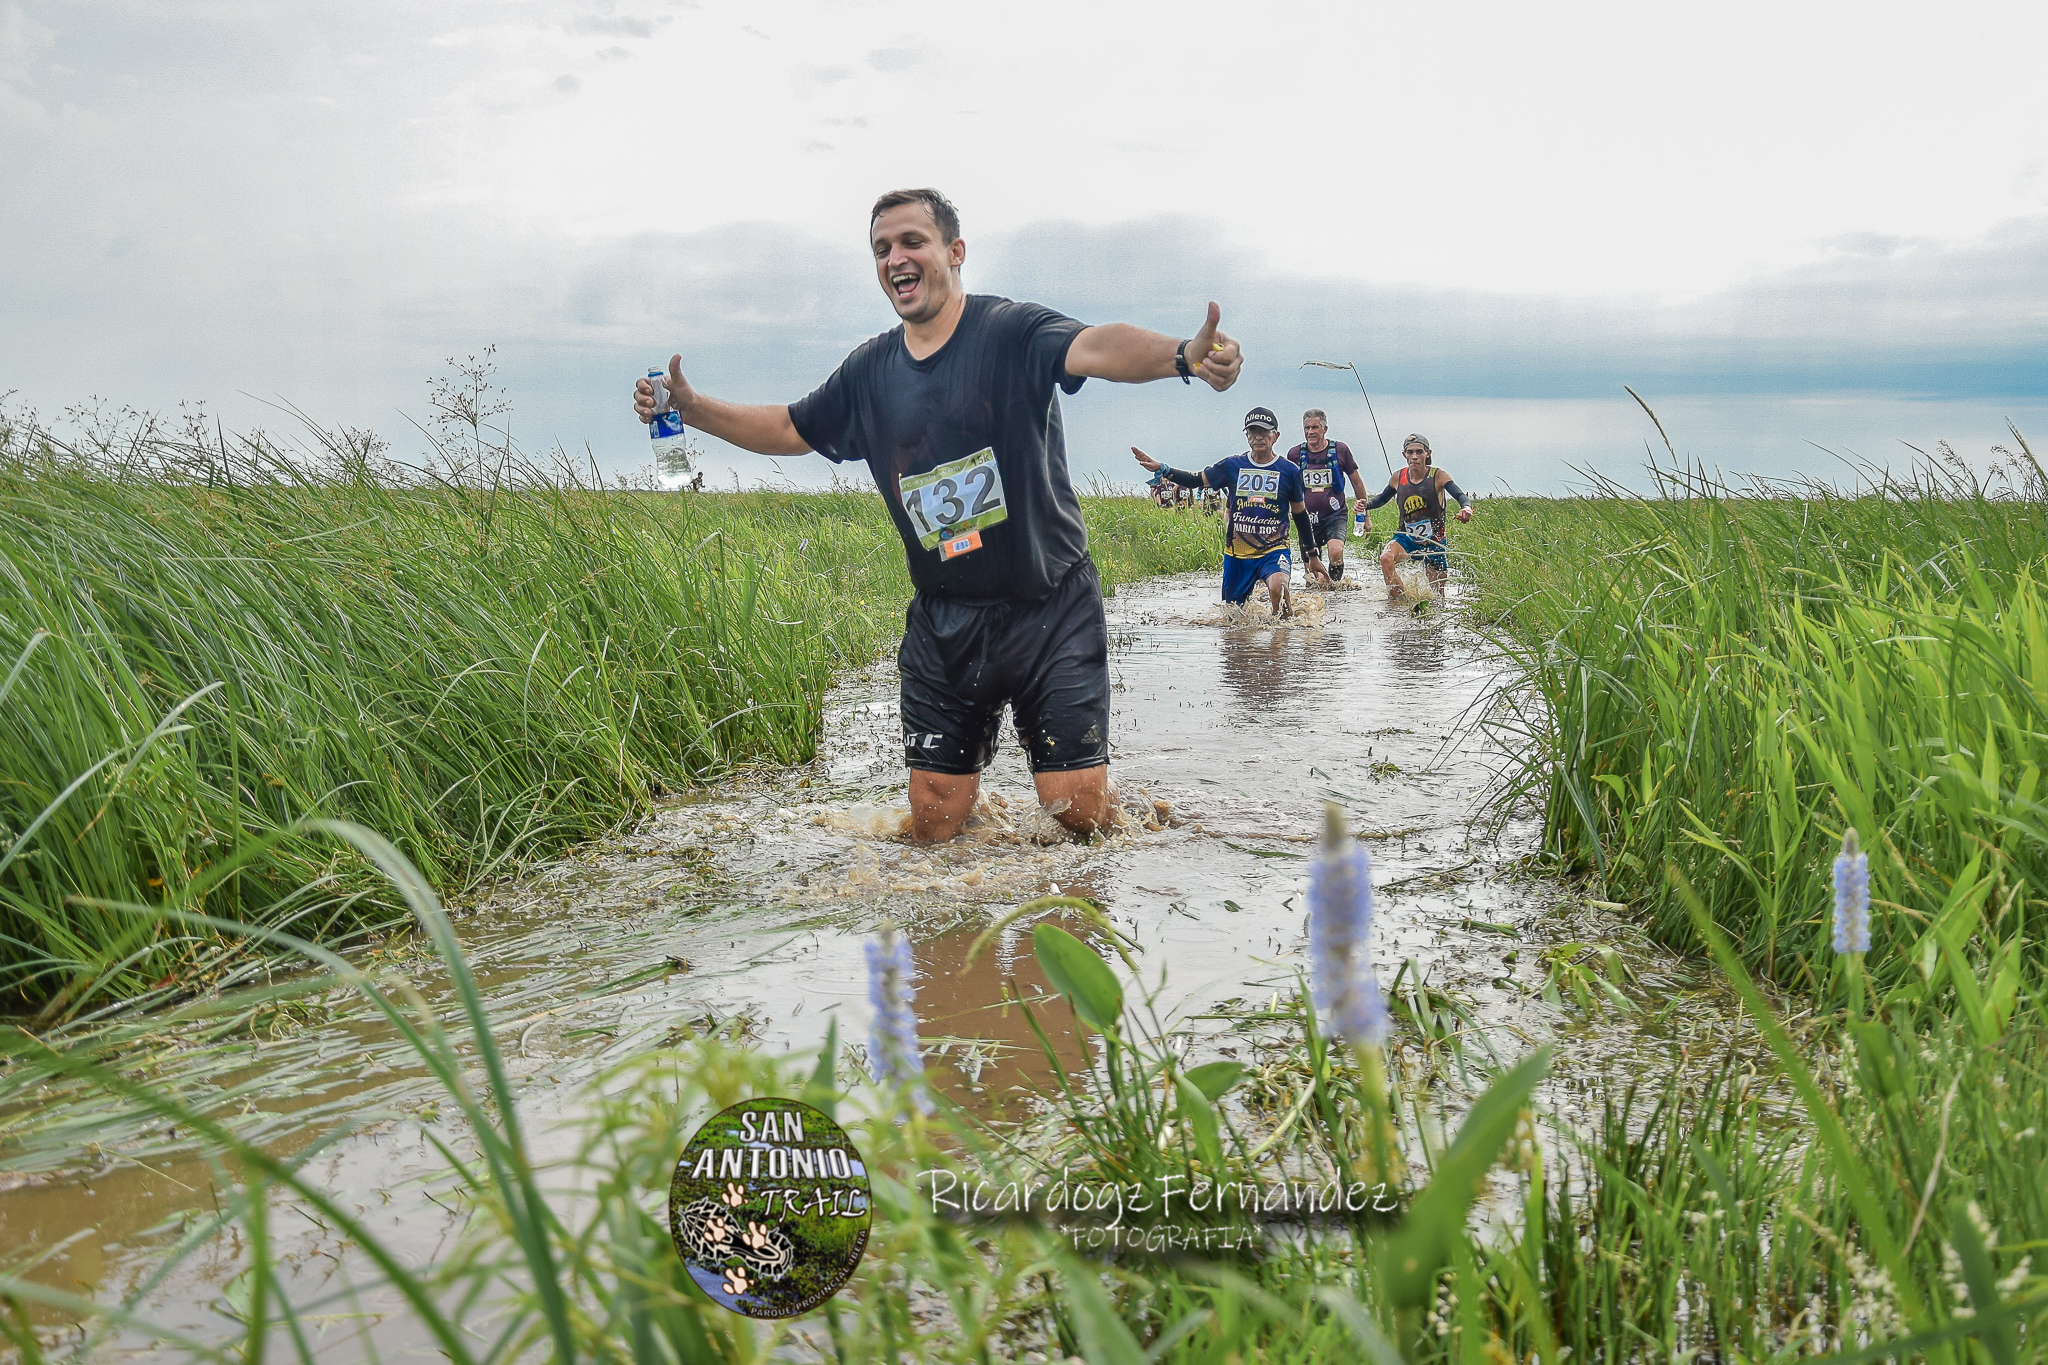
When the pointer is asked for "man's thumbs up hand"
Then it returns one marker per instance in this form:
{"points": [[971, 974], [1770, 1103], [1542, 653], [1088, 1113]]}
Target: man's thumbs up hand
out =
{"points": [[1213, 354]]}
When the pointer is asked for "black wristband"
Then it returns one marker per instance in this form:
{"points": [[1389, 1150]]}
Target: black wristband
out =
{"points": [[1180, 363]]}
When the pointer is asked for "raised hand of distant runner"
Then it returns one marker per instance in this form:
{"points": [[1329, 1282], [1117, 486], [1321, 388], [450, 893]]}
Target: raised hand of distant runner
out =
{"points": [[1213, 354], [680, 394]]}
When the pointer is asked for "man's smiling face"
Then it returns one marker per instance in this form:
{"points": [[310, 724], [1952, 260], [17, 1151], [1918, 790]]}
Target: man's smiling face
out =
{"points": [[1261, 441], [918, 270]]}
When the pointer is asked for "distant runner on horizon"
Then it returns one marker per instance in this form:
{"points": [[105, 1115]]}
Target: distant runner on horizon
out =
{"points": [[1324, 465], [1424, 533], [956, 413]]}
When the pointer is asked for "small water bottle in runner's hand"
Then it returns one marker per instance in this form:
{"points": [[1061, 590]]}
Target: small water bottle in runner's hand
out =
{"points": [[671, 452], [1358, 520]]}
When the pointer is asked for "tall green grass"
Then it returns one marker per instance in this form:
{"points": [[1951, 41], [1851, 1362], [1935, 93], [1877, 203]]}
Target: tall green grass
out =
{"points": [[1889, 1206], [572, 1263], [1723, 680], [203, 644]]}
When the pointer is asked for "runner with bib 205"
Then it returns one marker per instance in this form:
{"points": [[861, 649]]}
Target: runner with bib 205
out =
{"points": [[956, 413], [1424, 531], [1264, 489]]}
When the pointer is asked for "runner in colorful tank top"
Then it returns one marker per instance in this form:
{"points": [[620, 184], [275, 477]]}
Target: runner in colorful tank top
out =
{"points": [[1263, 489], [1423, 532], [1325, 465]]}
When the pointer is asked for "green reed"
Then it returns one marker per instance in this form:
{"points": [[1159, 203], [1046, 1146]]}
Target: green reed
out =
{"points": [[573, 1262], [1707, 688], [201, 646], [1880, 1184], [1725, 680], [1867, 1188], [1708, 1222]]}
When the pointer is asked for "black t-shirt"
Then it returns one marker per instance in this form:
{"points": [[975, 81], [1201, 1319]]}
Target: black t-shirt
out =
{"points": [[992, 386]]}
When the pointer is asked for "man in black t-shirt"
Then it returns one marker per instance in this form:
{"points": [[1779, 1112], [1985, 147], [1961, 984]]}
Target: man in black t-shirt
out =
{"points": [[956, 414]]}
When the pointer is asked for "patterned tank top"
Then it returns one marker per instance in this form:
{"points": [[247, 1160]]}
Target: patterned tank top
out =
{"points": [[1421, 504]]}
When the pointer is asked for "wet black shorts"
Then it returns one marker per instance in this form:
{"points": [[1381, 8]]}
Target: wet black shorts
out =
{"points": [[960, 662], [1333, 526]]}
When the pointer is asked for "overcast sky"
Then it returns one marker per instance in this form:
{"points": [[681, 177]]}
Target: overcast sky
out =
{"points": [[1786, 225]]}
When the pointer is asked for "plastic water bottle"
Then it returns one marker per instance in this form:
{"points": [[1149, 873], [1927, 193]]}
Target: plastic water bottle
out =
{"points": [[1358, 520], [665, 432]]}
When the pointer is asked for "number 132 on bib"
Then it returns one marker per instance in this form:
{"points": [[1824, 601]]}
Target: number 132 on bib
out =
{"points": [[948, 502]]}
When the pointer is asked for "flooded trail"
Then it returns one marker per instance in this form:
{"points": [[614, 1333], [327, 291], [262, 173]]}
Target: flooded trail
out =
{"points": [[742, 908]]}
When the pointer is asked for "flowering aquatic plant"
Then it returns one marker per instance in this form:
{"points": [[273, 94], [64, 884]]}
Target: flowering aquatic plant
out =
{"points": [[898, 1059], [1852, 897], [1339, 931]]}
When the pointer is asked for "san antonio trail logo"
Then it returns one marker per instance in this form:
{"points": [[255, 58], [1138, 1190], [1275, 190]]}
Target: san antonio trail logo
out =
{"points": [[769, 1208]]}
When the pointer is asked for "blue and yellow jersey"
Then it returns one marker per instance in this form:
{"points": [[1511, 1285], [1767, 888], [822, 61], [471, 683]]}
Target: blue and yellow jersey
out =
{"points": [[1260, 495]]}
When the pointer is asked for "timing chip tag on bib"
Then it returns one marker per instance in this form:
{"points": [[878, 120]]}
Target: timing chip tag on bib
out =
{"points": [[951, 505]]}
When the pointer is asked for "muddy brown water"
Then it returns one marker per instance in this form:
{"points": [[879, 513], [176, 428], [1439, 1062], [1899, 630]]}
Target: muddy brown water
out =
{"points": [[742, 908]]}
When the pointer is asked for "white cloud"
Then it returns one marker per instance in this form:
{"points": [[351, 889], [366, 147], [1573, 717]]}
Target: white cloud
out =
{"points": [[903, 57], [619, 25], [1489, 203], [22, 41]]}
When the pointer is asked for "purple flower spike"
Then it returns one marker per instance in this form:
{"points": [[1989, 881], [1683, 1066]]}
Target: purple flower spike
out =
{"points": [[1339, 934], [893, 1047], [1852, 897]]}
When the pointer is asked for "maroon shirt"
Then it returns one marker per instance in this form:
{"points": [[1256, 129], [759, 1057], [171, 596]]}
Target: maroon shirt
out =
{"points": [[1323, 475]]}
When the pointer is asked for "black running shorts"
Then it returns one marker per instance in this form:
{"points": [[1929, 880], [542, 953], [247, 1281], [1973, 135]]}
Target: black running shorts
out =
{"points": [[960, 661], [1332, 526]]}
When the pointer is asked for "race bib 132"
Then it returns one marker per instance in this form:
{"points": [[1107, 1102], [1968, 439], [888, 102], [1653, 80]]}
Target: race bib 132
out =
{"points": [[964, 495]]}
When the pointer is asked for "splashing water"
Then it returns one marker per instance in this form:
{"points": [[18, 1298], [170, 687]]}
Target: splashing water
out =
{"points": [[1310, 610], [1414, 580]]}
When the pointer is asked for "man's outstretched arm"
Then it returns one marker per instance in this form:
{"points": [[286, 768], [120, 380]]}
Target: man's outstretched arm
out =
{"points": [[763, 428], [1124, 354], [1186, 478]]}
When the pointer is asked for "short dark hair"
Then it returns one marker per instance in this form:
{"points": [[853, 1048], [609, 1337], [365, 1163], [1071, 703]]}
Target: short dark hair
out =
{"points": [[944, 215]]}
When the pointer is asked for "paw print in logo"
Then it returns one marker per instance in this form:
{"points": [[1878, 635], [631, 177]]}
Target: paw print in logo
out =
{"points": [[768, 1250], [736, 1281], [717, 1229], [734, 1195]]}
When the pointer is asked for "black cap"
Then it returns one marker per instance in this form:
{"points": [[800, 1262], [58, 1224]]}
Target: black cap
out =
{"points": [[1261, 417]]}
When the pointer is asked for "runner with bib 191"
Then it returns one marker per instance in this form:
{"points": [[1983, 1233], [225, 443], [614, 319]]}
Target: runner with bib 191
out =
{"points": [[956, 414], [1325, 465]]}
